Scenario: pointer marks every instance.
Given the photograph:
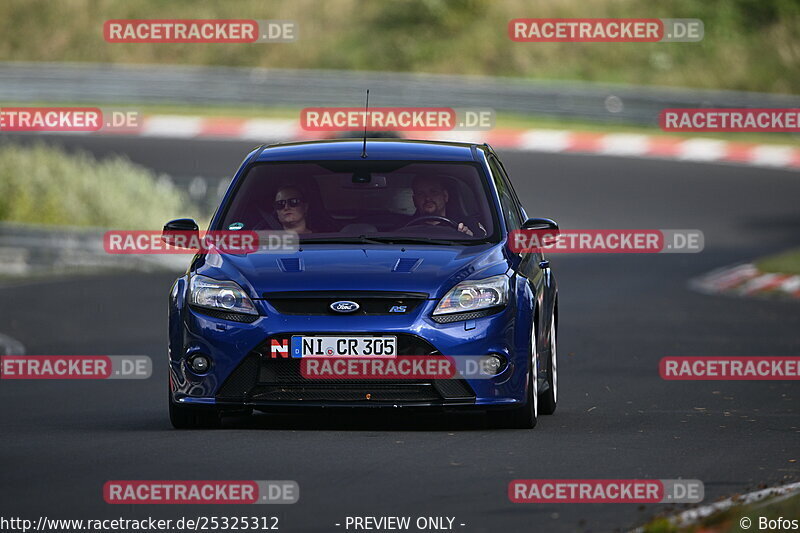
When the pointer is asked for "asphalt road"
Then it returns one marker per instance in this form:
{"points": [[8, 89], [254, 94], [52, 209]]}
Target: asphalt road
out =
{"points": [[61, 441]]}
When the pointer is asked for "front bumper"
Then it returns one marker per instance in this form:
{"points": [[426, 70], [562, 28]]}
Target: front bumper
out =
{"points": [[243, 372]]}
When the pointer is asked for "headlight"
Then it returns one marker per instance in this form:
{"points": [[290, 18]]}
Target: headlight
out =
{"points": [[474, 295], [221, 295]]}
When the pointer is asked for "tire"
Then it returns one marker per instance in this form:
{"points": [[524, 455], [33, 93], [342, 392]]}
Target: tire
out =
{"points": [[548, 400], [525, 416], [193, 417]]}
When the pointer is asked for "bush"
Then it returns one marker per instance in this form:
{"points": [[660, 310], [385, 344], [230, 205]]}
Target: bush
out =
{"points": [[748, 44], [42, 184]]}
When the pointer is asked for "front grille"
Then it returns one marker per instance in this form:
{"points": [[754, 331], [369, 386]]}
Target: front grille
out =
{"points": [[454, 388], [261, 377], [370, 302], [226, 315], [348, 393], [472, 315], [242, 380]]}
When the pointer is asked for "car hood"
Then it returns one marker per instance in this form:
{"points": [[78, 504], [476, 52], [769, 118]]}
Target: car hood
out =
{"points": [[414, 268]]}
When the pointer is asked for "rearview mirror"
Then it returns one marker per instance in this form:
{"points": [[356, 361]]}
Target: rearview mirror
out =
{"points": [[181, 226]]}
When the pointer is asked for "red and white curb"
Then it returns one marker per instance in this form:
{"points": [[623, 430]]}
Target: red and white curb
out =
{"points": [[535, 140], [747, 280]]}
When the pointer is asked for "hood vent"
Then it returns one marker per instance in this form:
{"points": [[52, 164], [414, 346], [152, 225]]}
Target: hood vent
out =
{"points": [[407, 264], [290, 264]]}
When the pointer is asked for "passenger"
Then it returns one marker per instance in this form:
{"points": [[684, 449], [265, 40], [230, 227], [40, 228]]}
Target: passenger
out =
{"points": [[291, 210]]}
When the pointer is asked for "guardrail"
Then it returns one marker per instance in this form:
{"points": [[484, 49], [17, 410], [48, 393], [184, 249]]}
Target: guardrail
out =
{"points": [[100, 84], [30, 249]]}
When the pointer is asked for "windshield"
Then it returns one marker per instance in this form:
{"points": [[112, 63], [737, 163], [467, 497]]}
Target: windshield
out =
{"points": [[362, 201]]}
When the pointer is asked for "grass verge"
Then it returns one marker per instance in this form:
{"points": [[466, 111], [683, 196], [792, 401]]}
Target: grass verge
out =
{"points": [[787, 262], [747, 44], [740, 518]]}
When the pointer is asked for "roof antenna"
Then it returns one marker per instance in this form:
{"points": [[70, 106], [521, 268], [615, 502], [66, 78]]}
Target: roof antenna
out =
{"points": [[366, 121]]}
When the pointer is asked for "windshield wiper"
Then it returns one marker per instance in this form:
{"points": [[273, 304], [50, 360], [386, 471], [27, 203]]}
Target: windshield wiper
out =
{"points": [[363, 239], [421, 240], [343, 240], [400, 239], [428, 240]]}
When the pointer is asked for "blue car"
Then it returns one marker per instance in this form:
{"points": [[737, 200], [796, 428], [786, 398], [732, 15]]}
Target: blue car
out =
{"points": [[399, 249]]}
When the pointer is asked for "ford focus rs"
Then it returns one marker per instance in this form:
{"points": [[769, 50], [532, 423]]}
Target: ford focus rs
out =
{"points": [[402, 252]]}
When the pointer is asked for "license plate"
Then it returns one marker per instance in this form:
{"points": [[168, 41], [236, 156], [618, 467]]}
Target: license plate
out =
{"points": [[325, 346]]}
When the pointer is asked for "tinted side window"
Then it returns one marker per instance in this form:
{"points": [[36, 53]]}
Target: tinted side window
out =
{"points": [[509, 205]]}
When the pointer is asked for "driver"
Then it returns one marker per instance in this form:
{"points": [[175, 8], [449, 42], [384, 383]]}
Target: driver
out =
{"points": [[430, 199]]}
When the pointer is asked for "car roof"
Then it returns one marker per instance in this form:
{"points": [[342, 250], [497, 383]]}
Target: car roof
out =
{"points": [[377, 149]]}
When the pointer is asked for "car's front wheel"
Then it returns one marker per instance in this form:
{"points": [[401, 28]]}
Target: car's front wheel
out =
{"points": [[548, 400]]}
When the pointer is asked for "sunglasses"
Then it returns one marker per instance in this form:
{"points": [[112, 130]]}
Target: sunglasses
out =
{"points": [[291, 202]]}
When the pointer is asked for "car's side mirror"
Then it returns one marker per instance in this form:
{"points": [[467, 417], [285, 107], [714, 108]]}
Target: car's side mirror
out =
{"points": [[541, 223], [546, 227], [182, 226]]}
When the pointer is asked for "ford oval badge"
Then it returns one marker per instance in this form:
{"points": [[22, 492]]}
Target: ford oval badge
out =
{"points": [[345, 306]]}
